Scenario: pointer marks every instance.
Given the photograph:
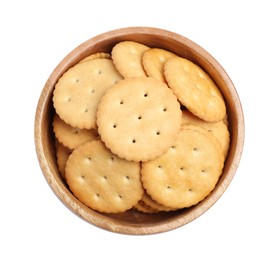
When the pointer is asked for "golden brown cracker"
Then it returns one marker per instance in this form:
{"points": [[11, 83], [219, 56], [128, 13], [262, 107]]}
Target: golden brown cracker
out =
{"points": [[195, 89], [142, 207], [72, 137], [127, 57], [101, 180], [98, 55], [62, 155], [155, 205], [218, 129], [78, 92], [139, 118], [186, 173], [153, 61]]}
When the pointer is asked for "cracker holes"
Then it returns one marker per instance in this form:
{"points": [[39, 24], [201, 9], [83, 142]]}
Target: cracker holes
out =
{"points": [[98, 72], [85, 110], [182, 168], [139, 117], [92, 90], [97, 196], [77, 80], [105, 178], [195, 149], [203, 171], [164, 109], [133, 141], [76, 131], [88, 159], [121, 102], [146, 95], [127, 178], [158, 133], [190, 190], [114, 125], [168, 188], [159, 167], [69, 99]]}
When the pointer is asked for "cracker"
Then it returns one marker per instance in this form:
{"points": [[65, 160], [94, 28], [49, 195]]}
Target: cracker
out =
{"points": [[72, 137], [142, 207], [153, 61], [98, 55], [218, 129], [185, 174], [101, 180], [211, 137], [62, 155], [127, 57], [78, 91], [139, 118], [154, 205], [195, 89]]}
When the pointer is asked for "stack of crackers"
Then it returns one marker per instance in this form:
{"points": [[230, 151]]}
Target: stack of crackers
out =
{"points": [[139, 128]]}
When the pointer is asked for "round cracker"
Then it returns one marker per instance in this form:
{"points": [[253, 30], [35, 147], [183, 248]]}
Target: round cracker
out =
{"points": [[153, 204], [218, 129], [195, 89], [142, 207], [98, 55], [72, 137], [62, 155], [153, 61], [78, 91], [127, 57], [139, 118], [185, 174], [101, 180]]}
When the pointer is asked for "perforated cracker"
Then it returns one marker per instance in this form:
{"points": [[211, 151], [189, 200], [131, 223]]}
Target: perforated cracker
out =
{"points": [[127, 57], [78, 92], [195, 89], [186, 173], [139, 118], [101, 180]]}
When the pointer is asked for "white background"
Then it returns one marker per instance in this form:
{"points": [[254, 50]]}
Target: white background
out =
{"points": [[242, 35]]}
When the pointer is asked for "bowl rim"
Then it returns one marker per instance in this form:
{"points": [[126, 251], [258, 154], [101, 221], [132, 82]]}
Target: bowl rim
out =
{"points": [[66, 196]]}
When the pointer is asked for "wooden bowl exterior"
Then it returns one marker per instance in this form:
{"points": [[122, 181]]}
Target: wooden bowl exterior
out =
{"points": [[134, 222]]}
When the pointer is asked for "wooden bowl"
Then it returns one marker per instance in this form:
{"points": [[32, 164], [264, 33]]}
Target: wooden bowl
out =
{"points": [[134, 222]]}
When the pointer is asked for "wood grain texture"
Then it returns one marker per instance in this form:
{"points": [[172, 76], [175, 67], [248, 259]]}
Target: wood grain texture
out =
{"points": [[134, 222]]}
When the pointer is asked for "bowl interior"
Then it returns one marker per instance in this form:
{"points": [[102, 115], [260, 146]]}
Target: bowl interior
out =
{"points": [[134, 222]]}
